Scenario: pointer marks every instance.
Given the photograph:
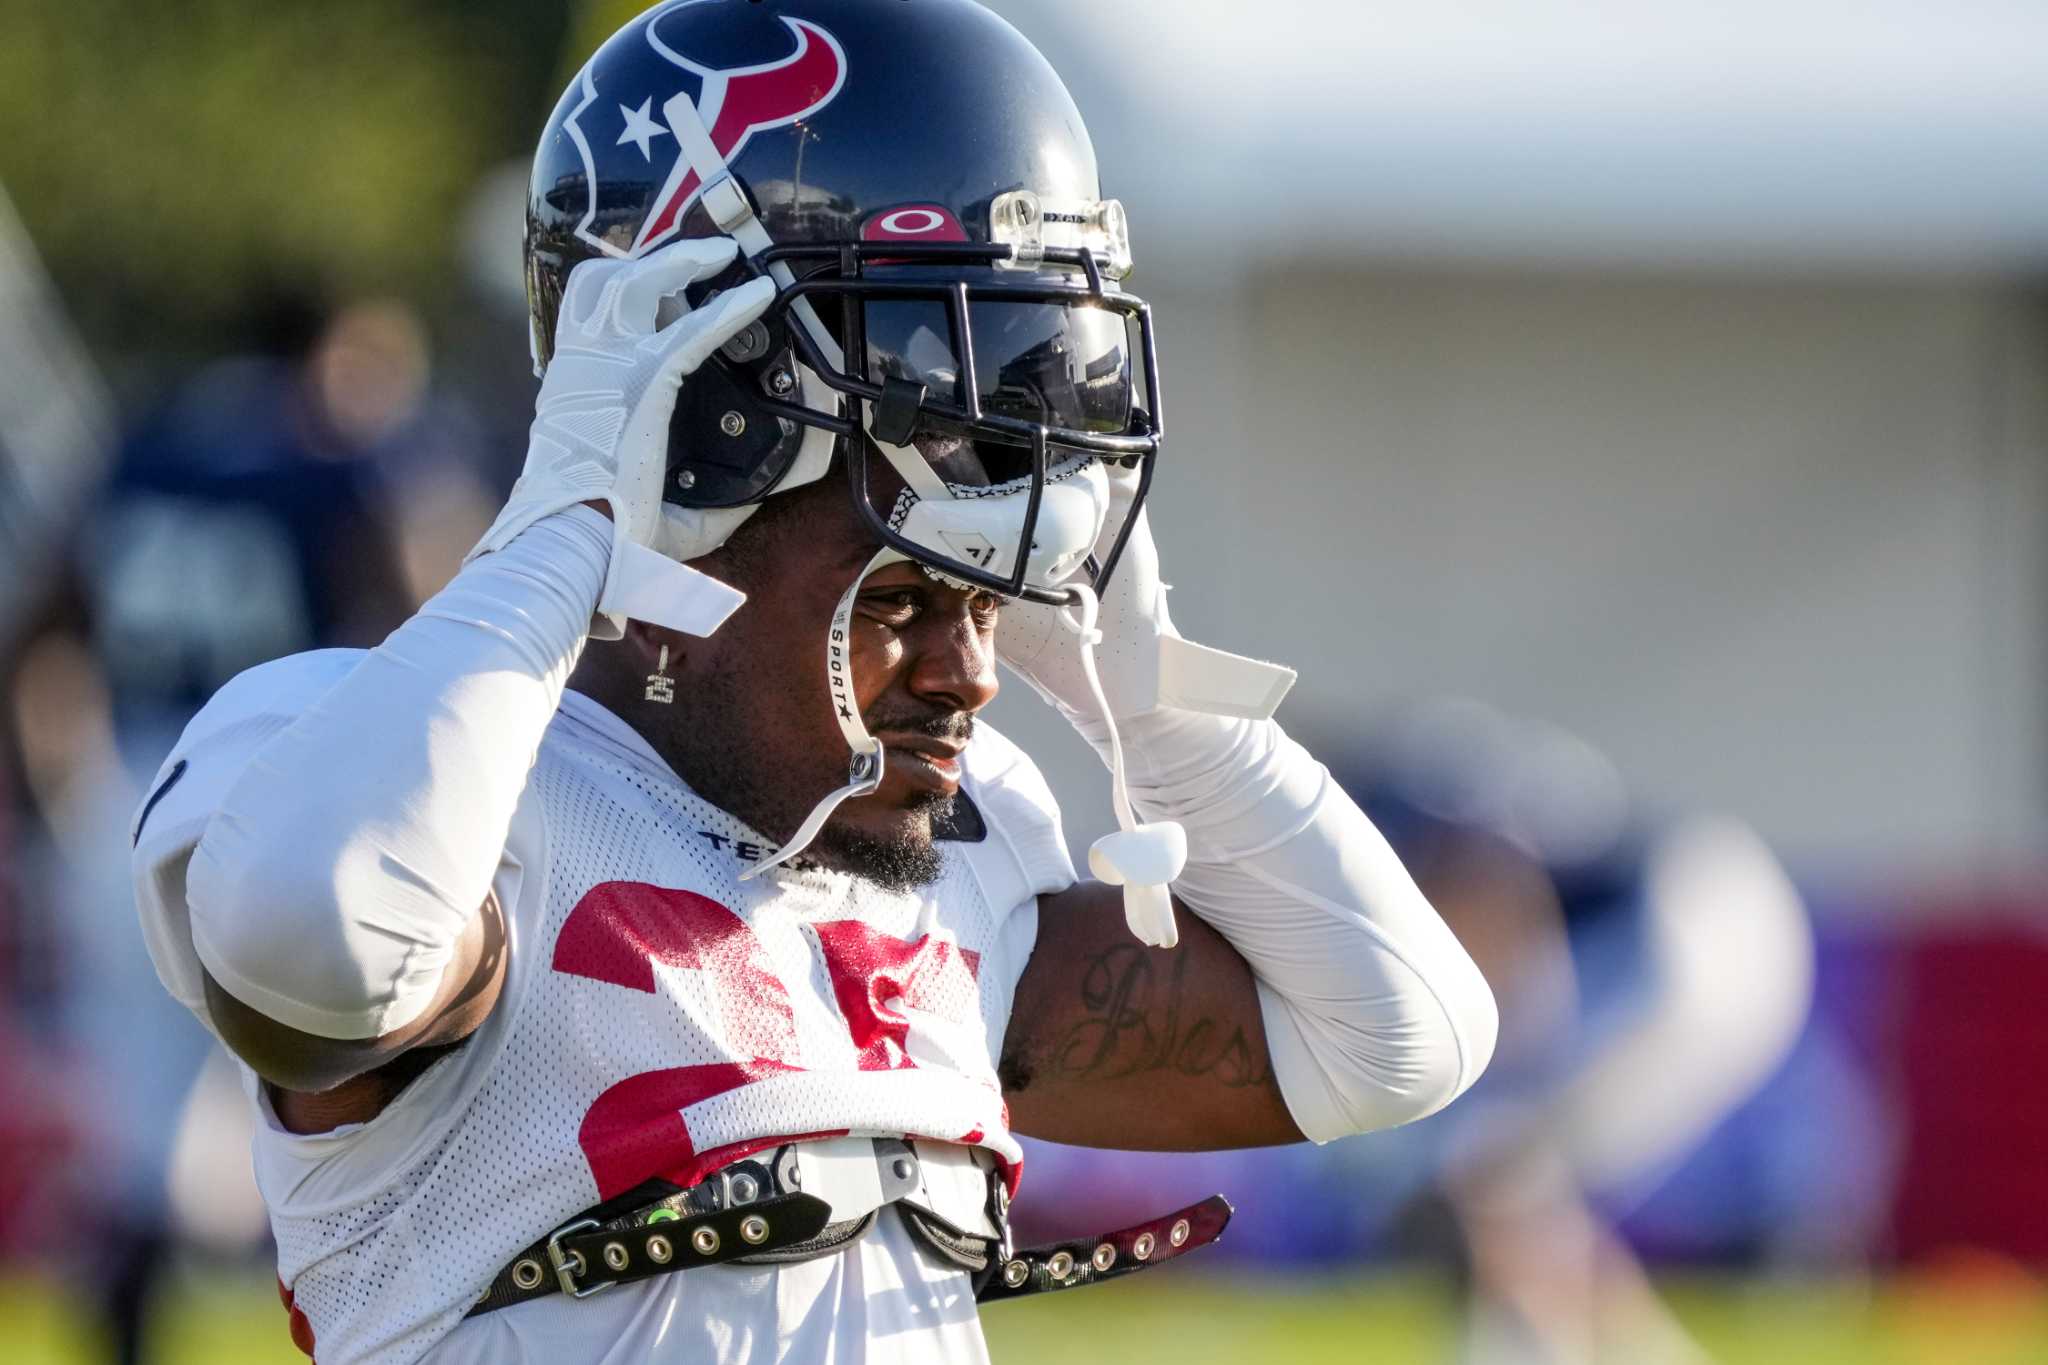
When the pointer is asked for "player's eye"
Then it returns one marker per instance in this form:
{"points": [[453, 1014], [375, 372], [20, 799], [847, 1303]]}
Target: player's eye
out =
{"points": [[893, 606]]}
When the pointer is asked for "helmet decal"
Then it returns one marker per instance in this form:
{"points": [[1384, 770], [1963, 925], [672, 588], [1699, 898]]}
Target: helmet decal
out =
{"points": [[697, 133], [914, 223]]}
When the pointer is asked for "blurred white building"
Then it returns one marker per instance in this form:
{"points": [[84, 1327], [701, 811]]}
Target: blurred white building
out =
{"points": [[1674, 372]]}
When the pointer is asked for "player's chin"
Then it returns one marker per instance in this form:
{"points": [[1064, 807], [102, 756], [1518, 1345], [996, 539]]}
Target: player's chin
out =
{"points": [[888, 841], [899, 810]]}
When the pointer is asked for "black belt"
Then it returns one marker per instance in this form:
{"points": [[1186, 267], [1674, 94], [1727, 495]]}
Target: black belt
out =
{"points": [[1091, 1260], [756, 1212], [750, 1207]]}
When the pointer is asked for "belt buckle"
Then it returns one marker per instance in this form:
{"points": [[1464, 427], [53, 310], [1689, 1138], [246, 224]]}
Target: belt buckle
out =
{"points": [[565, 1276], [999, 1209]]}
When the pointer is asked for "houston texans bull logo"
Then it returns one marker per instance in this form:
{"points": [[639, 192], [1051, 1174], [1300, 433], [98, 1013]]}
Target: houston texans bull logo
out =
{"points": [[691, 129]]}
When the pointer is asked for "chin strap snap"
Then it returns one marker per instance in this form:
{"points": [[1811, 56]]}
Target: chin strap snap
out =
{"points": [[864, 766], [1143, 859]]}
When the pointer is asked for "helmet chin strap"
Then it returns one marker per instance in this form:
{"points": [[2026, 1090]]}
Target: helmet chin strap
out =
{"points": [[1143, 859], [864, 767]]}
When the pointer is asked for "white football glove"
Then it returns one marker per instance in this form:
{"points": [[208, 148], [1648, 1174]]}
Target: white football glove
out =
{"points": [[1142, 661], [1107, 664], [600, 430], [1038, 642]]}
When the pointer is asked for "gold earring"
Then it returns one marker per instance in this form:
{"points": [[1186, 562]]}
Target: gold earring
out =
{"points": [[660, 686]]}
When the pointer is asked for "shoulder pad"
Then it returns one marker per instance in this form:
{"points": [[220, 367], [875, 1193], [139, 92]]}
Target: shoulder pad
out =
{"points": [[1016, 807]]}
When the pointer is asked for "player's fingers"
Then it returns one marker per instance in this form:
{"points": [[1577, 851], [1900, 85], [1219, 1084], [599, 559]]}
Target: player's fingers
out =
{"points": [[690, 340], [589, 292], [646, 282]]}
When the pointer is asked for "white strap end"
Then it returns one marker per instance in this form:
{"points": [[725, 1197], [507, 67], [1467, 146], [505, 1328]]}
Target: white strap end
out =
{"points": [[1144, 861], [727, 204], [1153, 854], [645, 585], [1148, 910], [1215, 682]]}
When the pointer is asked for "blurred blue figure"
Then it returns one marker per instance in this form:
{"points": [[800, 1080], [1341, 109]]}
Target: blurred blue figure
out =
{"points": [[306, 495], [1656, 1068], [1651, 974], [283, 500]]}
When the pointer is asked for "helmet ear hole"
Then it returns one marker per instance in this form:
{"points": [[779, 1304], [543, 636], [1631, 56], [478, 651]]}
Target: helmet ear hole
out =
{"points": [[725, 448]]}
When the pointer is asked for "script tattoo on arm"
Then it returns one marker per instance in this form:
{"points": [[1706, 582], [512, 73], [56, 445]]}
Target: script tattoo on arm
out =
{"points": [[1138, 1017], [1114, 1044]]}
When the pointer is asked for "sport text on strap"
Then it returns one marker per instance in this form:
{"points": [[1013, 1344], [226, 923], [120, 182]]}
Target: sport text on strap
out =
{"points": [[864, 766]]}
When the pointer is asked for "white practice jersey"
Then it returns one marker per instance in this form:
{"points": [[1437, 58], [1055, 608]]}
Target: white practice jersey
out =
{"points": [[660, 1018]]}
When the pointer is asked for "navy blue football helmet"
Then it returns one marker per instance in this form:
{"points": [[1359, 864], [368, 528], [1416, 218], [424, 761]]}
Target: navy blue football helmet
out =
{"points": [[918, 182]]}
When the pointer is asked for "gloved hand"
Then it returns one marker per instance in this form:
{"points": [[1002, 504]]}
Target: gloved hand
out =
{"points": [[1038, 642], [1111, 665], [1143, 662], [600, 430]]}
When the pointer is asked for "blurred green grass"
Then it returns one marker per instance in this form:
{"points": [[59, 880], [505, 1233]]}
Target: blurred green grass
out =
{"points": [[1975, 1316]]}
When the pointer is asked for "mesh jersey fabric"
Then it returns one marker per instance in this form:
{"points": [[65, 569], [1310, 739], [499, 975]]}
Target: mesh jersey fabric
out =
{"points": [[659, 1017]]}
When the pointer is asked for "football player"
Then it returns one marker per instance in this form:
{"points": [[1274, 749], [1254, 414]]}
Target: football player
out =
{"points": [[1655, 969], [643, 953]]}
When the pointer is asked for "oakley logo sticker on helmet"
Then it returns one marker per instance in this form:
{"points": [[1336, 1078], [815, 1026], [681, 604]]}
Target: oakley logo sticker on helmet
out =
{"points": [[701, 122], [917, 223]]}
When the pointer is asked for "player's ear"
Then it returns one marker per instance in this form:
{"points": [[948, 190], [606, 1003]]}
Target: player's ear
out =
{"points": [[658, 648]]}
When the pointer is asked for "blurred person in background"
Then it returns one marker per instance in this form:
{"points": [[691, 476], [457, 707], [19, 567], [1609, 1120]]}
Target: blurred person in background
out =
{"points": [[1652, 973], [43, 1114], [305, 494], [127, 1065], [76, 1141], [309, 493]]}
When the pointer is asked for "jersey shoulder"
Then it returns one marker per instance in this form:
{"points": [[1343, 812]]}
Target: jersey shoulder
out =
{"points": [[1017, 809]]}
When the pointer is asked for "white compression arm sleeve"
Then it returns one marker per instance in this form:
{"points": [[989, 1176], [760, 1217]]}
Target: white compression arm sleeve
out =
{"points": [[1374, 1013], [332, 883]]}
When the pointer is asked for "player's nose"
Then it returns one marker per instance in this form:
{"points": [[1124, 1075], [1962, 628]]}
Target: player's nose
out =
{"points": [[954, 663]]}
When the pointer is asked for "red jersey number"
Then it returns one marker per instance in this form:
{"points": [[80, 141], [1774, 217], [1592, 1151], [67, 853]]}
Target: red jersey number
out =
{"points": [[620, 930]]}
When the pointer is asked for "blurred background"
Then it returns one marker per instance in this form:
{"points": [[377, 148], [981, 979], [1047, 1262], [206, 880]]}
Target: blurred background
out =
{"points": [[1631, 420]]}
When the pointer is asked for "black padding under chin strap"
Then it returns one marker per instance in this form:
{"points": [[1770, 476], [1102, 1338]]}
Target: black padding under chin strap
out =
{"points": [[895, 412]]}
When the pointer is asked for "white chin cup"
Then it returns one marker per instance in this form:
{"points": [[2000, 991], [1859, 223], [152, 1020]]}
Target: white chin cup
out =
{"points": [[987, 531]]}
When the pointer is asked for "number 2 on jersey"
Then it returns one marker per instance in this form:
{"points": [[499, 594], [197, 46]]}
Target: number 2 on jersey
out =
{"points": [[620, 930]]}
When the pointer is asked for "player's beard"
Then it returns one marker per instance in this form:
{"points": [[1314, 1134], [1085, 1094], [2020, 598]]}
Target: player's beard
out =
{"points": [[726, 767], [903, 863], [910, 858]]}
